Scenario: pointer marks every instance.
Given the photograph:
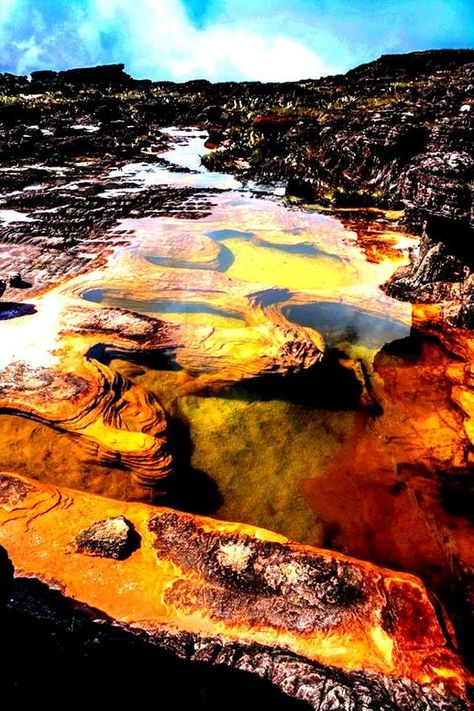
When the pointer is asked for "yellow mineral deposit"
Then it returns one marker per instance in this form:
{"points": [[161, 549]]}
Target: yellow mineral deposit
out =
{"points": [[204, 305]]}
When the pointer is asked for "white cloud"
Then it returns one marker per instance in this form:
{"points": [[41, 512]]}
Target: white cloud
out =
{"points": [[6, 6], [156, 39], [221, 52], [162, 40], [6, 10], [29, 55]]}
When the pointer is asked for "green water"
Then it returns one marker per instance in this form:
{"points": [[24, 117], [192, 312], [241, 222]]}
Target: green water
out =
{"points": [[243, 451]]}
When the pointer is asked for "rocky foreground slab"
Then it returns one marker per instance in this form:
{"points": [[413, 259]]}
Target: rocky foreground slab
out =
{"points": [[323, 628]]}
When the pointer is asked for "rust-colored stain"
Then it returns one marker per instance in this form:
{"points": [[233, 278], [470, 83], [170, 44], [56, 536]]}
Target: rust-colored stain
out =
{"points": [[222, 579]]}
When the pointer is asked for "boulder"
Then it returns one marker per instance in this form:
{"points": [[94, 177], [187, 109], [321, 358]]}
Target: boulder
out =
{"points": [[103, 74], [110, 538]]}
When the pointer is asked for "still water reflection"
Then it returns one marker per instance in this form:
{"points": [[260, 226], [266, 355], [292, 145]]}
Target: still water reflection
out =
{"points": [[256, 443]]}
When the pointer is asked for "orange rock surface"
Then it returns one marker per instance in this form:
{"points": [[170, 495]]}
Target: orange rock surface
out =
{"points": [[233, 582], [400, 491]]}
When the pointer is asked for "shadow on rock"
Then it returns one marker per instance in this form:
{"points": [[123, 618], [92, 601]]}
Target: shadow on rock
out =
{"points": [[327, 385], [191, 490], [58, 647]]}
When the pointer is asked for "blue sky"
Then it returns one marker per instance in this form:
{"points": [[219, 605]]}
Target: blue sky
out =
{"points": [[225, 39]]}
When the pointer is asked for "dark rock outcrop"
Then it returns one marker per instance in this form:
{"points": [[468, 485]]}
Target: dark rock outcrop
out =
{"points": [[438, 192], [203, 674], [102, 75], [439, 185], [413, 64], [111, 538]]}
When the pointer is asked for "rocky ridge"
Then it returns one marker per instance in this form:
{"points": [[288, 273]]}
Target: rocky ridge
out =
{"points": [[397, 132]]}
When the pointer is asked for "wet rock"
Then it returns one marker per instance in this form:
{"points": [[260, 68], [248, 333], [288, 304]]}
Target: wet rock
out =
{"points": [[439, 197], [215, 139], [318, 626], [314, 593], [202, 673], [110, 538]]}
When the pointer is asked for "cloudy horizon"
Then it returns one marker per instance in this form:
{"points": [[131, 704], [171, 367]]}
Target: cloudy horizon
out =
{"points": [[225, 39]]}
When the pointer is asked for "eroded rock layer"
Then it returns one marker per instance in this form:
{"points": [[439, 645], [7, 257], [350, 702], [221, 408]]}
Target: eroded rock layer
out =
{"points": [[322, 627], [57, 367]]}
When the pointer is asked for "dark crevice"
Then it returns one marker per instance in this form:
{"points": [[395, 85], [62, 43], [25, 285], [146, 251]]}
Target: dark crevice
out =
{"points": [[55, 649]]}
